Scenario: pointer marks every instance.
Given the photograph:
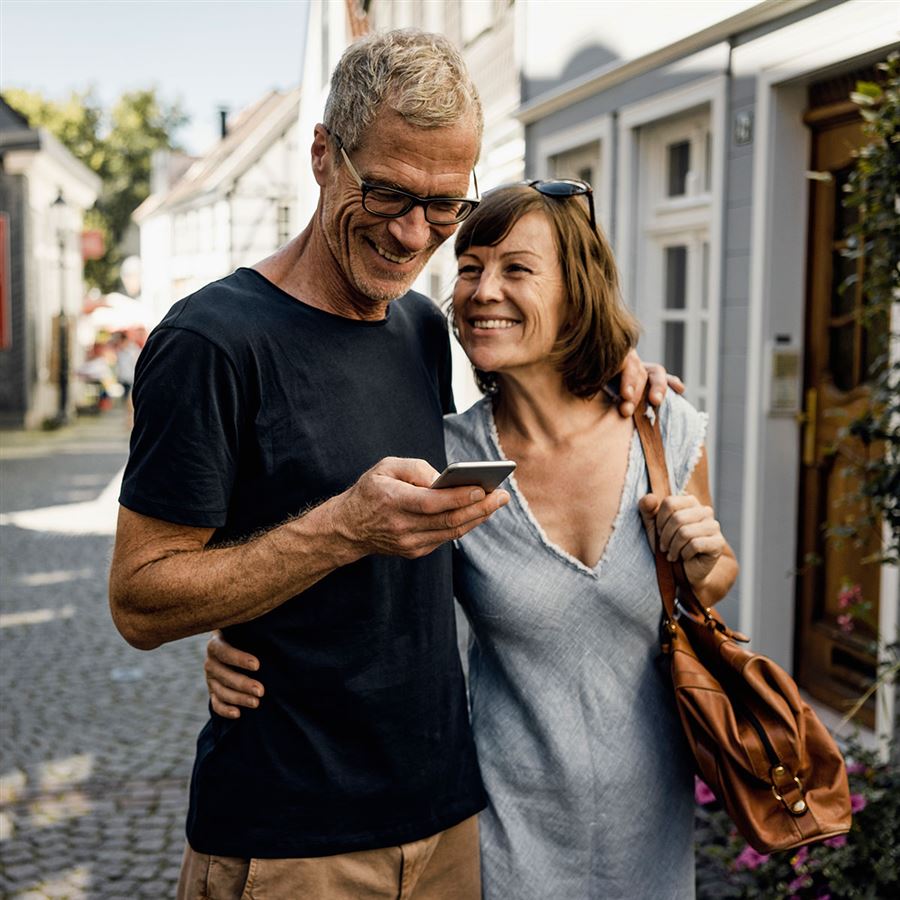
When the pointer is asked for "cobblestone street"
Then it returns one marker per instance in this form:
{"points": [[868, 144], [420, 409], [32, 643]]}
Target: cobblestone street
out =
{"points": [[96, 738]]}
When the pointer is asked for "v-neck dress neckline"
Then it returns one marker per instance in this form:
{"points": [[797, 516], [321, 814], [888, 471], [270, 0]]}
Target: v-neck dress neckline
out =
{"points": [[635, 459]]}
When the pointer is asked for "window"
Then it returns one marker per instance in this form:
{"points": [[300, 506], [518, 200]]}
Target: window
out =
{"points": [[582, 163], [673, 250], [283, 225], [679, 165]]}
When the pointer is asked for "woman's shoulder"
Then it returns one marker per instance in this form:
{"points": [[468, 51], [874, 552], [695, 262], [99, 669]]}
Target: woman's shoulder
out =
{"points": [[467, 434], [683, 428]]}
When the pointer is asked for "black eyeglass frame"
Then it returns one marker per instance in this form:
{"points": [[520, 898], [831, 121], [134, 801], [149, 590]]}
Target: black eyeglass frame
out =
{"points": [[563, 188], [469, 203]]}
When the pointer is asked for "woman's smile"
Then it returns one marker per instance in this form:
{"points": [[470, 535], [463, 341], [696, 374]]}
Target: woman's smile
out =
{"points": [[494, 324]]}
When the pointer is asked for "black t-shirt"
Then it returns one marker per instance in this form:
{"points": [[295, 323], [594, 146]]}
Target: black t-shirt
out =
{"points": [[250, 407]]}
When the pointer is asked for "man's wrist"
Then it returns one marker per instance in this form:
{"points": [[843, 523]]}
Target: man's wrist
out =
{"points": [[327, 528]]}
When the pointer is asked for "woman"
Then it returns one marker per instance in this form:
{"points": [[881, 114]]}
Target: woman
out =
{"points": [[588, 774]]}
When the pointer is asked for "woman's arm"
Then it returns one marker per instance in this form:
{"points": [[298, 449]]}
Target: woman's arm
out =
{"points": [[688, 530]]}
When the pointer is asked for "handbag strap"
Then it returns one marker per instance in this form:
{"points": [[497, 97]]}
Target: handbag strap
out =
{"points": [[670, 576]]}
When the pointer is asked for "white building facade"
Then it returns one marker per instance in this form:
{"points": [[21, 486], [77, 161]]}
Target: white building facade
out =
{"points": [[44, 193], [717, 136], [232, 207]]}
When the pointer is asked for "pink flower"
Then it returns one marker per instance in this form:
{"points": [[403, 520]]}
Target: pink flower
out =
{"points": [[702, 793], [838, 841], [857, 803], [799, 858], [845, 623], [801, 881], [748, 858], [857, 768], [849, 596]]}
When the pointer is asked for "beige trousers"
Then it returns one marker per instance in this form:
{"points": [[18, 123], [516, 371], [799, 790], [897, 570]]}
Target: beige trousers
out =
{"points": [[445, 866]]}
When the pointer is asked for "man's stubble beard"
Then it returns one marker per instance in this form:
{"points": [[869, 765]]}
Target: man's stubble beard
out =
{"points": [[382, 289]]}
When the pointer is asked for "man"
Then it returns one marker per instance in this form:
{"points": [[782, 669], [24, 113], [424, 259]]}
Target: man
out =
{"points": [[287, 429]]}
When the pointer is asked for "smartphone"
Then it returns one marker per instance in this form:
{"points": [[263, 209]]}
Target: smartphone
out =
{"points": [[487, 474]]}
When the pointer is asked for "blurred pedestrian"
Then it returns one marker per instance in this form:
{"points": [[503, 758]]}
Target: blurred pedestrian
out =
{"points": [[98, 371], [127, 352]]}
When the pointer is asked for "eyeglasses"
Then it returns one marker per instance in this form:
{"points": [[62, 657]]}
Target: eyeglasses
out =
{"points": [[392, 203], [564, 188]]}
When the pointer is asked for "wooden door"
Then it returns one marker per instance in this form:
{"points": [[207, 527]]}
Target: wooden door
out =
{"points": [[835, 657]]}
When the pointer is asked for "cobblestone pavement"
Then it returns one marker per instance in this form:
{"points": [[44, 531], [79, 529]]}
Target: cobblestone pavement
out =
{"points": [[96, 738]]}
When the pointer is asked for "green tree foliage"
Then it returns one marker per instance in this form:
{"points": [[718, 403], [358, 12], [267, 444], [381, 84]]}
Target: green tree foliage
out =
{"points": [[118, 145]]}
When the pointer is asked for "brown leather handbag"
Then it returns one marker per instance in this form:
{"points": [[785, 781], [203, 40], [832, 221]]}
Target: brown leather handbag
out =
{"points": [[760, 748]]}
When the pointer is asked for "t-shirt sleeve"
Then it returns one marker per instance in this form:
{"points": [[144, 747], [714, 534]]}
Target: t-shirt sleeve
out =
{"points": [[683, 432], [187, 426], [445, 373]]}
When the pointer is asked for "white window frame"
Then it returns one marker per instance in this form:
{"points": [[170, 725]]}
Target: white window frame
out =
{"points": [[600, 130], [710, 93], [665, 222]]}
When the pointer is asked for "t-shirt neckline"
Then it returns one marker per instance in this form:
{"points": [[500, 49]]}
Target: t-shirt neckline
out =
{"points": [[315, 310]]}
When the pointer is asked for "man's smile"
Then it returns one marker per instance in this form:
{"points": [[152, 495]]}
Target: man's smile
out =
{"points": [[391, 257]]}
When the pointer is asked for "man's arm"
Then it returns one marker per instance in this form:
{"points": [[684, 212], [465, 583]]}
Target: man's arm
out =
{"points": [[634, 376], [165, 583]]}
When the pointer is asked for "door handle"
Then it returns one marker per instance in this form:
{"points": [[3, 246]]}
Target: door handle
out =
{"points": [[808, 420]]}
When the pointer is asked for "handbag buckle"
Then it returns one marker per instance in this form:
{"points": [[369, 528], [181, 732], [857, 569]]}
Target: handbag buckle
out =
{"points": [[796, 807]]}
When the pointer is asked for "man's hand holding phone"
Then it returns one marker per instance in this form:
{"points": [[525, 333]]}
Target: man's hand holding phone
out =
{"points": [[392, 509]]}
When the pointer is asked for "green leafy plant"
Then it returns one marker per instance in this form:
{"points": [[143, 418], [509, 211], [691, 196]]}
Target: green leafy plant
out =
{"points": [[873, 189]]}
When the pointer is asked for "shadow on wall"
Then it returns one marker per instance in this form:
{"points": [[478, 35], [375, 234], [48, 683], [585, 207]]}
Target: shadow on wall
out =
{"points": [[586, 60]]}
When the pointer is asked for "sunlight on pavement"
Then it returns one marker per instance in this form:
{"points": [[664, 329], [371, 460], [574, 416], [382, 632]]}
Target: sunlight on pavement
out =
{"points": [[88, 517], [35, 616], [11, 786], [60, 576], [47, 811], [66, 771], [72, 884], [59, 800]]}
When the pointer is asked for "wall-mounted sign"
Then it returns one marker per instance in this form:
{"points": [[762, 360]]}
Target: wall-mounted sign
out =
{"points": [[784, 384], [743, 127]]}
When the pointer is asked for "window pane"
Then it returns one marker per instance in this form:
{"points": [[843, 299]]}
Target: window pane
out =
{"points": [[679, 166], [704, 337], [841, 356], [707, 163], [704, 296], [844, 216], [874, 346], [673, 352], [843, 294], [676, 277]]}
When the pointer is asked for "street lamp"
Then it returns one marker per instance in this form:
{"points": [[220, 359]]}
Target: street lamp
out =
{"points": [[58, 215]]}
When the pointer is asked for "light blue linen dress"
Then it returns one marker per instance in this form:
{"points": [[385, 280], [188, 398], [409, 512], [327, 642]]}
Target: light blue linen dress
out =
{"points": [[589, 777]]}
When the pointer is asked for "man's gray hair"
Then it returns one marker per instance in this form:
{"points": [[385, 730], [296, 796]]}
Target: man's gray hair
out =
{"points": [[419, 75]]}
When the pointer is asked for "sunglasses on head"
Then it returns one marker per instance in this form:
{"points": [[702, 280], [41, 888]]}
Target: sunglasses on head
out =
{"points": [[563, 188]]}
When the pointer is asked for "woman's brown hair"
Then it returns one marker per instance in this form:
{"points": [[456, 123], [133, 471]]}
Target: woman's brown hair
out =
{"points": [[599, 330]]}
